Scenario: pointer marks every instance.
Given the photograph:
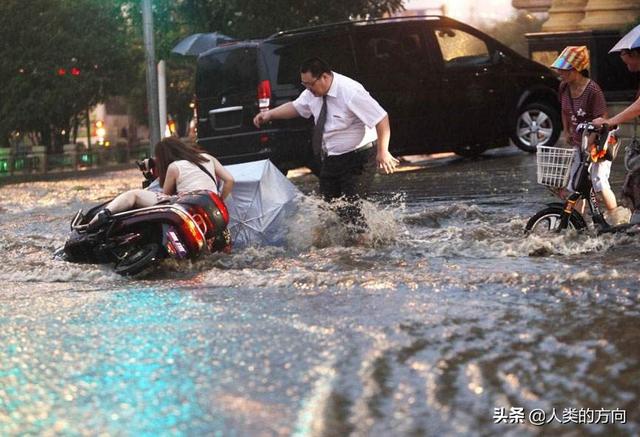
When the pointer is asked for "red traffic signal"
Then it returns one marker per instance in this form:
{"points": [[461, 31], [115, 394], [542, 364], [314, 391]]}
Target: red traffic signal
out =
{"points": [[74, 71]]}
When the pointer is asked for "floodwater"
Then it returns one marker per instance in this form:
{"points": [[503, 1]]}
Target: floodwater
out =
{"points": [[450, 322]]}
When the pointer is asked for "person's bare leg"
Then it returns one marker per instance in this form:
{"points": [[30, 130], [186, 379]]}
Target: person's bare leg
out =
{"points": [[130, 199], [126, 201], [616, 215], [609, 199]]}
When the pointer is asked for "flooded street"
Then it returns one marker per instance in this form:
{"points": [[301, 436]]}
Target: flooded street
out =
{"points": [[451, 322]]}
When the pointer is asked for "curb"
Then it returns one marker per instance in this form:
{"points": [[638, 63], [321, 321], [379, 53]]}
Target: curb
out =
{"points": [[56, 176]]}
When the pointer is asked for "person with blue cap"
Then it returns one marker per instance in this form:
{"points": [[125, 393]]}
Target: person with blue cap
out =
{"points": [[629, 50]]}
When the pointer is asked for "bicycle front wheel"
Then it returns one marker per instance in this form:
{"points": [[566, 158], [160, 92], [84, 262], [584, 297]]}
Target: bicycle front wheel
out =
{"points": [[548, 220]]}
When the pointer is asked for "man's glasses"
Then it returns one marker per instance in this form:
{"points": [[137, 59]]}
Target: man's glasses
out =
{"points": [[310, 84]]}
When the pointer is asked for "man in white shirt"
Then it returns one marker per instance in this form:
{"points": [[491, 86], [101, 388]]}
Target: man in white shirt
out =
{"points": [[352, 134]]}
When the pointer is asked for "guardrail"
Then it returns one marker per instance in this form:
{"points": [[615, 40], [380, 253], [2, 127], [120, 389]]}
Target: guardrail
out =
{"points": [[73, 157]]}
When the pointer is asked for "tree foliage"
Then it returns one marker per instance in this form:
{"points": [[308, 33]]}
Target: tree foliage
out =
{"points": [[251, 19], [47, 40], [103, 39]]}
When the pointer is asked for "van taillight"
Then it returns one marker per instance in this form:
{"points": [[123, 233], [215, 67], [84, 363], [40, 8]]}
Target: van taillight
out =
{"points": [[264, 95]]}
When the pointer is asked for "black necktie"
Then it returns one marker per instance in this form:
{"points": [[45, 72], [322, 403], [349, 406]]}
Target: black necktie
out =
{"points": [[318, 130]]}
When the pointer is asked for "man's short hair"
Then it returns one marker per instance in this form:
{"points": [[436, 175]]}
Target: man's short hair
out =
{"points": [[316, 66]]}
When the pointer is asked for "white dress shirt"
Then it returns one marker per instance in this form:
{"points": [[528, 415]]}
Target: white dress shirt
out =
{"points": [[352, 115]]}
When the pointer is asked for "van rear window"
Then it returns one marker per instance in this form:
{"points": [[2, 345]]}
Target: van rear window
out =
{"points": [[335, 49], [227, 72]]}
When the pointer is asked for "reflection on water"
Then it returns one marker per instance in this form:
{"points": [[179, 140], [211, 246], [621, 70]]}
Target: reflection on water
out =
{"points": [[447, 315]]}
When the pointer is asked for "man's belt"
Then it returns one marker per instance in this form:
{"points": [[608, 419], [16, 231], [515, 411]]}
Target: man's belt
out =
{"points": [[358, 150]]}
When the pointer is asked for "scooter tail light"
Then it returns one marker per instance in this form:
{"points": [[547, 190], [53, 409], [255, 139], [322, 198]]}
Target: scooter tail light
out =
{"points": [[194, 232]]}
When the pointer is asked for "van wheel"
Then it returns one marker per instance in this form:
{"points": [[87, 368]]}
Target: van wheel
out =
{"points": [[537, 124], [471, 151]]}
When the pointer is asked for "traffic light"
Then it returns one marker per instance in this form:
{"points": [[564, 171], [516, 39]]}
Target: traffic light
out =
{"points": [[71, 68]]}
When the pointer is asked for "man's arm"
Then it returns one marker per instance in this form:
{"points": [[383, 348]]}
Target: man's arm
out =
{"points": [[386, 161], [284, 111]]}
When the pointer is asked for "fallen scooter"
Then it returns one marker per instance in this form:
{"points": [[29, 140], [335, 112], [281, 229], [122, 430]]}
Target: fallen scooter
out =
{"points": [[133, 241], [553, 166]]}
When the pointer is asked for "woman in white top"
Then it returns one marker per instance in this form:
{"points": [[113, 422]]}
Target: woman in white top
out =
{"points": [[178, 173]]}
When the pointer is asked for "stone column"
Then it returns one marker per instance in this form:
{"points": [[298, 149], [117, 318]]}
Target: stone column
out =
{"points": [[565, 15], [532, 5], [609, 14]]}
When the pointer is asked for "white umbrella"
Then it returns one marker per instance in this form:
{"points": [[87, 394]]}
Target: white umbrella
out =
{"points": [[260, 203], [630, 41], [198, 43]]}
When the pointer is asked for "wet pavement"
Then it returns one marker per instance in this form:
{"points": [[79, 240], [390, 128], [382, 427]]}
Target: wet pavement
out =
{"points": [[449, 323]]}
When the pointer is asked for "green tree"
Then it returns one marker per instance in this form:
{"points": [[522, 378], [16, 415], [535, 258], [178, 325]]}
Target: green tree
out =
{"points": [[170, 27], [250, 19], [59, 57]]}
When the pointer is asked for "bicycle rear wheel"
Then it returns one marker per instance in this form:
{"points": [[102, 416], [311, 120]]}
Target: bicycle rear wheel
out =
{"points": [[548, 220]]}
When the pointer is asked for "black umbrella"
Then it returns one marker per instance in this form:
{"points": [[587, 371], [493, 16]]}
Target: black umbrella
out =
{"points": [[197, 43]]}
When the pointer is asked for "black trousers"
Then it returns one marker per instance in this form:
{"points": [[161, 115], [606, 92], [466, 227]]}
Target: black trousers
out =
{"points": [[349, 176]]}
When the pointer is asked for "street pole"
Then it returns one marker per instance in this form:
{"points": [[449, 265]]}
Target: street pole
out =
{"points": [[152, 77], [88, 130], [162, 95]]}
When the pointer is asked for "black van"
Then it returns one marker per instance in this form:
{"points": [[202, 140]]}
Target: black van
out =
{"points": [[445, 85]]}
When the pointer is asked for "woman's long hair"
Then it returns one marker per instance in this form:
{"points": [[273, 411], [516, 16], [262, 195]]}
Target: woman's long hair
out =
{"points": [[171, 149]]}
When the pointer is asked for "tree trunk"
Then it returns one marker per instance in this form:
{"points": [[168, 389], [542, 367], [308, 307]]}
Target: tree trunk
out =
{"points": [[76, 123], [45, 137]]}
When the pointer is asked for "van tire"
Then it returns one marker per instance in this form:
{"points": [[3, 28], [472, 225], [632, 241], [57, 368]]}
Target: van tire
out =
{"points": [[532, 119], [471, 151]]}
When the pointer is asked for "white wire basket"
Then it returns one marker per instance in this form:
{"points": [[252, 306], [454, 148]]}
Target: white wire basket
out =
{"points": [[554, 164]]}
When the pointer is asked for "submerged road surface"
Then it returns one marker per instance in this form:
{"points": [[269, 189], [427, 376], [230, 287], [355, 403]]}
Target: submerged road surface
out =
{"points": [[450, 323]]}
